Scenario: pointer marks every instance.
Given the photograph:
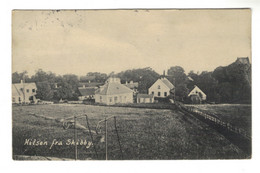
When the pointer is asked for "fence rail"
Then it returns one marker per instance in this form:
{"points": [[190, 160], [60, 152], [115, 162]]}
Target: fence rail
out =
{"points": [[236, 135], [217, 121]]}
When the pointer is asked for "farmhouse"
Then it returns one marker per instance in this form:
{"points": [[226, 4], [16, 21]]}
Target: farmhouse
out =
{"points": [[197, 95], [161, 88], [86, 92], [113, 92], [24, 92], [145, 98]]}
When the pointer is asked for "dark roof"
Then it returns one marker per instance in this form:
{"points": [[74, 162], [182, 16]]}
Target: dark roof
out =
{"points": [[132, 85], [144, 95], [111, 88], [87, 91]]}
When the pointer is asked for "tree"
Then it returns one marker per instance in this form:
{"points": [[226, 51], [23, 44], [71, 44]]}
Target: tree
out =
{"points": [[177, 75], [234, 82], [144, 76], [94, 77], [44, 91], [17, 77], [181, 92]]}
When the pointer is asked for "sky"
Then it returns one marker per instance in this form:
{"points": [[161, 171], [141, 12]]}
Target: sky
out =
{"points": [[82, 41]]}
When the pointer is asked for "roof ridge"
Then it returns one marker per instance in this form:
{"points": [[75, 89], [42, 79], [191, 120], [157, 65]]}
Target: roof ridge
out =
{"points": [[17, 89]]}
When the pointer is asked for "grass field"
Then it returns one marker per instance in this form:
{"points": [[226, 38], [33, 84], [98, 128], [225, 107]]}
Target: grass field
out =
{"points": [[238, 115], [144, 134]]}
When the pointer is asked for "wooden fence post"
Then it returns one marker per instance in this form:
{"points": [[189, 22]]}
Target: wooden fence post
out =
{"points": [[118, 139], [106, 135], [75, 138], [91, 136]]}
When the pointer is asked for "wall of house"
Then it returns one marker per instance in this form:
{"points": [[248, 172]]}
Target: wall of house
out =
{"points": [[113, 99], [25, 98], [145, 100], [159, 86], [196, 92], [86, 97]]}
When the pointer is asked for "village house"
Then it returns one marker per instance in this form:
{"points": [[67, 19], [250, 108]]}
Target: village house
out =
{"points": [[24, 92], [197, 95], [145, 98], [113, 92], [86, 92], [161, 88]]}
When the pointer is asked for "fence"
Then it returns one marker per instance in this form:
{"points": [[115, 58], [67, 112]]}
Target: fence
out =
{"points": [[236, 135], [100, 129]]}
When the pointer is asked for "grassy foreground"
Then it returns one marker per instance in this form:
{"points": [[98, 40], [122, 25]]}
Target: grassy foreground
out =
{"points": [[144, 134]]}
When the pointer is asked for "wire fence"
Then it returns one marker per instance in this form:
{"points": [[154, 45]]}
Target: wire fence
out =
{"points": [[97, 132]]}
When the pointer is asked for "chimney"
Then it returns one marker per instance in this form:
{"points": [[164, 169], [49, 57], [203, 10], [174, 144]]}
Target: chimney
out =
{"points": [[84, 86], [21, 81], [126, 82]]}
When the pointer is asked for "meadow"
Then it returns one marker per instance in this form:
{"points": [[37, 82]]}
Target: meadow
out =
{"points": [[145, 134]]}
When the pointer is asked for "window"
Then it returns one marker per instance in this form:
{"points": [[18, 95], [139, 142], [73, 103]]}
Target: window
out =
{"points": [[152, 93], [159, 87], [110, 99], [27, 90], [13, 99], [115, 98], [159, 94], [165, 94], [33, 90], [100, 99]]}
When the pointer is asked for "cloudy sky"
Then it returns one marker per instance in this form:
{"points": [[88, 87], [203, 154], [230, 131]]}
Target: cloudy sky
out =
{"points": [[115, 40]]}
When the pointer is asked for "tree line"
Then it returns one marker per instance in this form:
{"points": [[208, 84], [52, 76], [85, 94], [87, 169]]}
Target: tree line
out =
{"points": [[230, 84]]}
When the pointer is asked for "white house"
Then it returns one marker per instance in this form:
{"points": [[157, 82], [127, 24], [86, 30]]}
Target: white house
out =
{"points": [[145, 98], [113, 92], [197, 91], [24, 92], [161, 88]]}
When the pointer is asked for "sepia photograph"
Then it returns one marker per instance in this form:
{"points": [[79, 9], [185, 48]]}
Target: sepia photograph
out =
{"points": [[131, 84]]}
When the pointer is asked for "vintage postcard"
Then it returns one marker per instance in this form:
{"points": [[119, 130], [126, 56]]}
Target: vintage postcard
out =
{"points": [[140, 84]]}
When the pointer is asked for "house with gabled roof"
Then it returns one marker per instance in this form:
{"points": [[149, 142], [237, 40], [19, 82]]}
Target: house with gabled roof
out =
{"points": [[197, 95], [24, 92], [161, 88], [113, 92], [86, 92]]}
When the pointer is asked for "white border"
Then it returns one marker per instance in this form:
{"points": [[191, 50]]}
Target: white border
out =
{"points": [[123, 166]]}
